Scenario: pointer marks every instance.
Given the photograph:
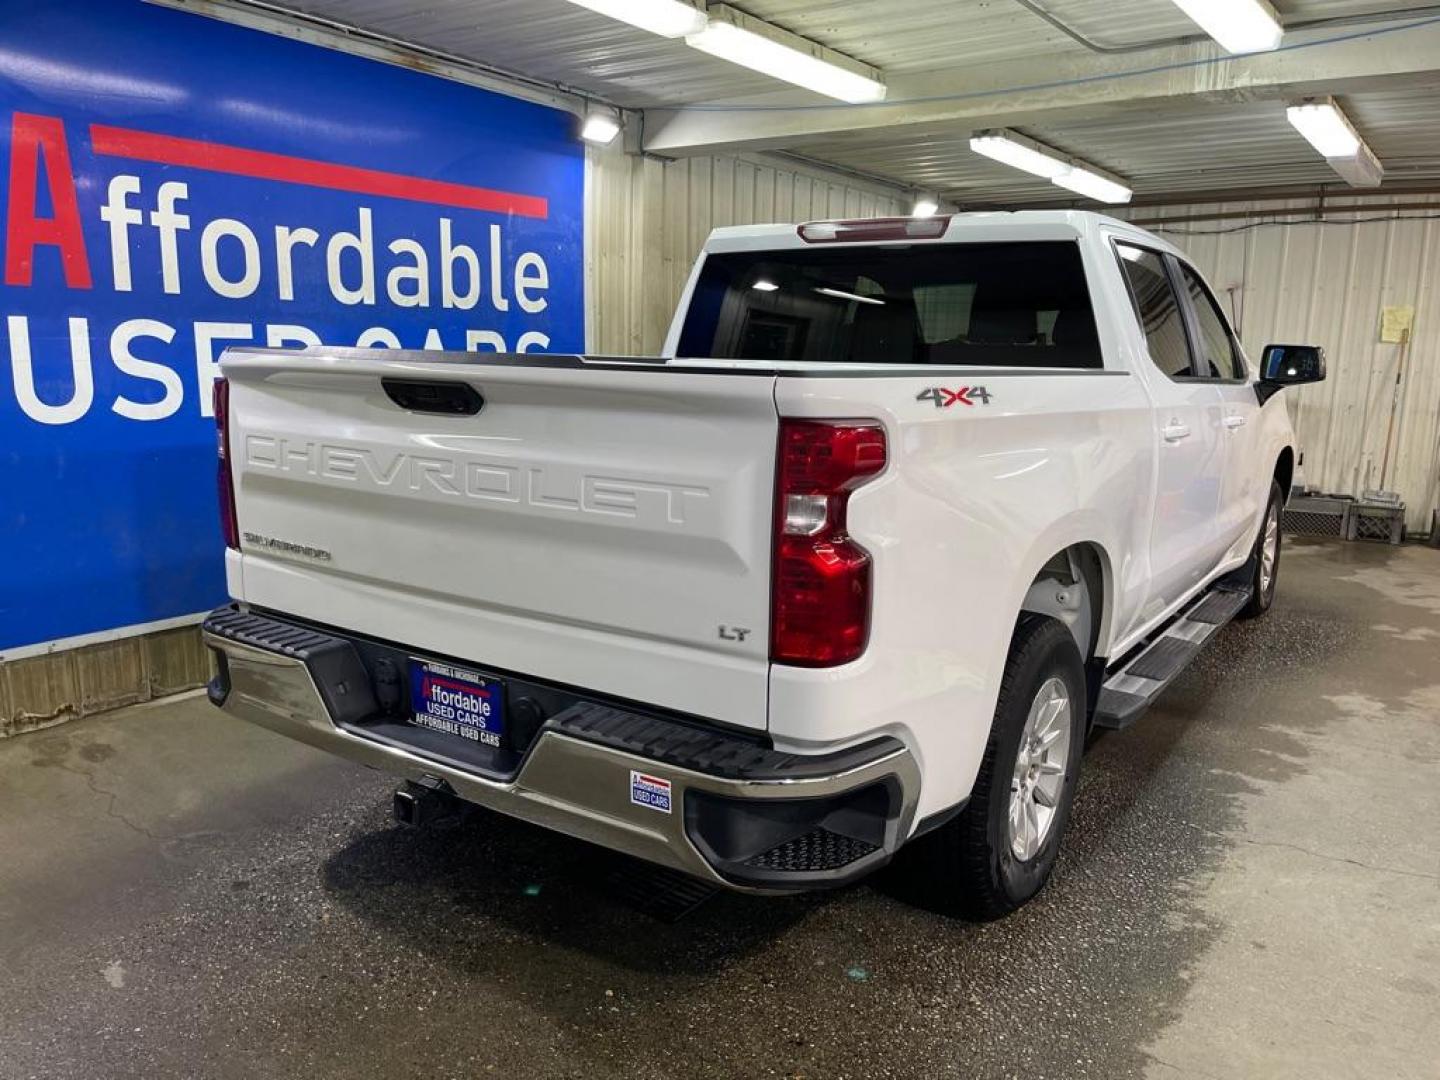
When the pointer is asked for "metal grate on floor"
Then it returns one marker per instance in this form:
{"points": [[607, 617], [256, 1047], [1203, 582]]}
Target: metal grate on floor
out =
{"points": [[1377, 521], [1313, 523], [1375, 527]]}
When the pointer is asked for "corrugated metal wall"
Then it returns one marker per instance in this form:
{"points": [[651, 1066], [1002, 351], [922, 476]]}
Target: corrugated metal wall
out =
{"points": [[647, 219], [1325, 282]]}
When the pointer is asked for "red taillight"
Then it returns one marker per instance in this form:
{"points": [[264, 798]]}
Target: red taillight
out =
{"points": [[820, 593], [229, 525]]}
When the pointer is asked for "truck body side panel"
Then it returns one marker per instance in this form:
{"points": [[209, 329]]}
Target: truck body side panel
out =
{"points": [[973, 503]]}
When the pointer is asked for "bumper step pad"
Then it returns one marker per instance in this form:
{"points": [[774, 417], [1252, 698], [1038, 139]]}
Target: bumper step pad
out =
{"points": [[817, 850], [262, 632], [340, 677], [1131, 690], [707, 750]]}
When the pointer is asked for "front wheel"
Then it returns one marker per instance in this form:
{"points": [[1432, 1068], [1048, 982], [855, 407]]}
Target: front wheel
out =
{"points": [[1266, 557], [999, 851]]}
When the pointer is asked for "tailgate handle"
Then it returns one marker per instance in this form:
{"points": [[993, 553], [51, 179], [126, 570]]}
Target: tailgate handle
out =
{"points": [[434, 396]]}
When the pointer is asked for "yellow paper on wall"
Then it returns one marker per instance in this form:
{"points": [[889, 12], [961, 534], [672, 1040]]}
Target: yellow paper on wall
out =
{"points": [[1396, 322]]}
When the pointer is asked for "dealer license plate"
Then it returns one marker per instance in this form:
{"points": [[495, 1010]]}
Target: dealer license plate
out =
{"points": [[457, 702]]}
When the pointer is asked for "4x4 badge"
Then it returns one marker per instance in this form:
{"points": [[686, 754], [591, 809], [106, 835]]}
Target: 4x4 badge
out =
{"points": [[944, 397]]}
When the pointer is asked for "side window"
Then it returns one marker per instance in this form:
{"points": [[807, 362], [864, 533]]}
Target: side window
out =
{"points": [[1220, 358], [1157, 308]]}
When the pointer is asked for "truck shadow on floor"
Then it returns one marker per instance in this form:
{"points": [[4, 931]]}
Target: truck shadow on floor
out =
{"points": [[487, 877]]}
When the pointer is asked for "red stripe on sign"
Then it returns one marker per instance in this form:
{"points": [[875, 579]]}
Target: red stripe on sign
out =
{"points": [[215, 157]]}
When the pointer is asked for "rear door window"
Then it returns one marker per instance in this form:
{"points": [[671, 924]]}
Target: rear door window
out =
{"points": [[1157, 308], [1010, 305]]}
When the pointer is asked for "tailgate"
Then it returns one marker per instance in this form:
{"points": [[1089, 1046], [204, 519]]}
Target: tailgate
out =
{"points": [[604, 525]]}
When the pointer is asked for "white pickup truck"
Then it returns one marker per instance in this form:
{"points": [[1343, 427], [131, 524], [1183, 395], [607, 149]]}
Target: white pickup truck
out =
{"points": [[848, 574]]}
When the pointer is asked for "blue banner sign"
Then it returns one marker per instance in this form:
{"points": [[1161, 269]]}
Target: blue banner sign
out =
{"points": [[174, 185]]}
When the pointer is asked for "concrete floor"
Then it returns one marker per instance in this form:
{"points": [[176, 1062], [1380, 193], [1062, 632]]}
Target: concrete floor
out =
{"points": [[1250, 888]]}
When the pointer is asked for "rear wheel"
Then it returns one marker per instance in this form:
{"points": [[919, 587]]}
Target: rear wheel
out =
{"points": [[999, 851], [1266, 557]]}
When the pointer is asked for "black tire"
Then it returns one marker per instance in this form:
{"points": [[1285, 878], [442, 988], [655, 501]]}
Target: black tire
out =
{"points": [[967, 866], [1262, 595]]}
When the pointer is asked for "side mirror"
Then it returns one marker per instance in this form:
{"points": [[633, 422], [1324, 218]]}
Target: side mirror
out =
{"points": [[1290, 365]]}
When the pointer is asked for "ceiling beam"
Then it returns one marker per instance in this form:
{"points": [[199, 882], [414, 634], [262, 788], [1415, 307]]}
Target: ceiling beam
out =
{"points": [[1058, 86]]}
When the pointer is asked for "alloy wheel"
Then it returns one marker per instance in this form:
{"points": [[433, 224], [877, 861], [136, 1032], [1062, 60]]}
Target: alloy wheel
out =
{"points": [[1269, 549], [1040, 766]]}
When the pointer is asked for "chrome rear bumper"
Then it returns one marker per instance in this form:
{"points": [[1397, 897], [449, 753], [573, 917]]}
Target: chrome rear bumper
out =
{"points": [[582, 787]]}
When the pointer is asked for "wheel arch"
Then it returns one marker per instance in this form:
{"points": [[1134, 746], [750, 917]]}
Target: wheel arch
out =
{"points": [[1285, 471], [1085, 563]]}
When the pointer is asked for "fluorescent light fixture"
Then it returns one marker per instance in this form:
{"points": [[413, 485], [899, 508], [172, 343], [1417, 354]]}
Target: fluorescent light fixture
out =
{"points": [[1024, 153], [765, 286], [925, 206], [732, 35], [600, 128], [1013, 149], [1325, 128], [1363, 169], [668, 18], [841, 294], [1240, 26], [1091, 184]]}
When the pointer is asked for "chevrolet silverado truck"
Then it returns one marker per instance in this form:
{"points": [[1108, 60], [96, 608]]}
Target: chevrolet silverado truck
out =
{"points": [[847, 575]]}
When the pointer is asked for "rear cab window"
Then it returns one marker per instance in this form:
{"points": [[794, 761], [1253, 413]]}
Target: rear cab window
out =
{"points": [[1014, 304]]}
